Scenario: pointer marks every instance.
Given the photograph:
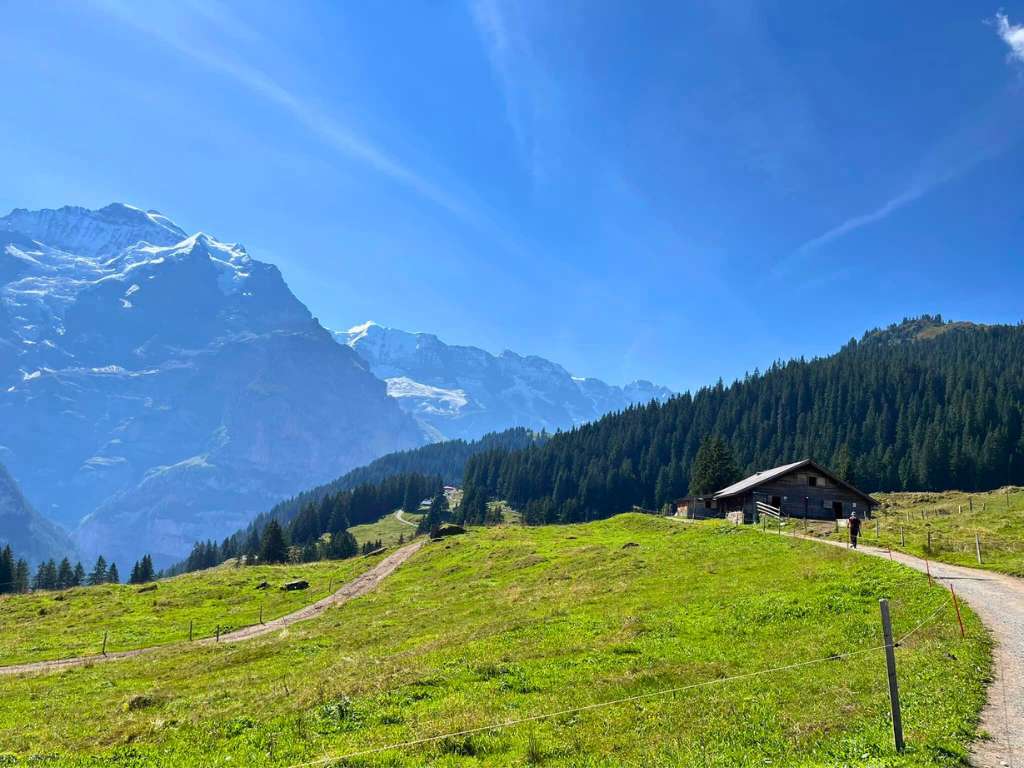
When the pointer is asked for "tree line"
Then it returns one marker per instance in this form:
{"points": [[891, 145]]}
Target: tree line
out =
{"points": [[15, 574], [319, 529], [919, 405], [445, 460]]}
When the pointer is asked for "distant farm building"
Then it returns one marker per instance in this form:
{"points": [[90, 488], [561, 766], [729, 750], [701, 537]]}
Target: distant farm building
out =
{"points": [[803, 489]]}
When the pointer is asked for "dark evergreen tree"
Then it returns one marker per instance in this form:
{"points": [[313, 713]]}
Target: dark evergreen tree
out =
{"points": [[65, 576], [113, 577], [21, 577], [7, 570], [435, 515], [713, 467], [78, 576], [98, 575], [273, 548]]}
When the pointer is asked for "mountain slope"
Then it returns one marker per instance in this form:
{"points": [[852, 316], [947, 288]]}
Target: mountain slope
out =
{"points": [[167, 387], [28, 533], [920, 405], [465, 392]]}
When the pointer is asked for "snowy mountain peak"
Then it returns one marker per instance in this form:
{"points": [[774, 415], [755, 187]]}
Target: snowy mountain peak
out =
{"points": [[93, 233], [466, 391]]}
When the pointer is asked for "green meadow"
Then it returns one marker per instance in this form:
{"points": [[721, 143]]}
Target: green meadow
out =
{"points": [[510, 623], [72, 622], [953, 518]]}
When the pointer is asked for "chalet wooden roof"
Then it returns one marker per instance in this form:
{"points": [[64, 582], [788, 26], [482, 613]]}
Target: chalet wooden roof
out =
{"points": [[764, 476]]}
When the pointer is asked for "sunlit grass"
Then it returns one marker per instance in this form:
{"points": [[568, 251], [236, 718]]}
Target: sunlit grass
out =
{"points": [[510, 622]]}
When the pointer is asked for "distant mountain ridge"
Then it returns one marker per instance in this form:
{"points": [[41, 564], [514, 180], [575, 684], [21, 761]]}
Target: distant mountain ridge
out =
{"points": [[465, 392], [161, 387], [30, 535]]}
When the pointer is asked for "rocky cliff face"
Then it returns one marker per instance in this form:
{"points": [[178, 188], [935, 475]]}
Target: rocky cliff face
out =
{"points": [[464, 392], [29, 534], [156, 388]]}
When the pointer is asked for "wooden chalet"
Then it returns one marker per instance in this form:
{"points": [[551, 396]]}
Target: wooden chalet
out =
{"points": [[802, 489]]}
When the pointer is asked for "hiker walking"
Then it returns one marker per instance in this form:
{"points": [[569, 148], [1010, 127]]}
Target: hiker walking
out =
{"points": [[853, 524]]}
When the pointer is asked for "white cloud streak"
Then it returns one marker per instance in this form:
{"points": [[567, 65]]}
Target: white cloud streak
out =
{"points": [[1012, 35], [984, 135], [330, 130]]}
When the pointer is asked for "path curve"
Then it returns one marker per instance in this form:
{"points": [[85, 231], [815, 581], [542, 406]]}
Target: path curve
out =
{"points": [[359, 586], [998, 600], [399, 518]]}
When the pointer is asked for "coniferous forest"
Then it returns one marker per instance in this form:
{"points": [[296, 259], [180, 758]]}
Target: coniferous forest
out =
{"points": [[269, 540], [919, 405]]}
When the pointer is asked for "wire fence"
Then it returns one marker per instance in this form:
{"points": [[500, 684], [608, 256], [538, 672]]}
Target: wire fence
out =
{"points": [[664, 692]]}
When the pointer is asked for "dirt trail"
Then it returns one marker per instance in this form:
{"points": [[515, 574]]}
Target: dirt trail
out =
{"points": [[399, 518], [355, 588], [999, 602]]}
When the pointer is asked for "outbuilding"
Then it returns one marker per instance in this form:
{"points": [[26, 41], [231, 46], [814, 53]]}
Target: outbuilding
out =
{"points": [[803, 489]]}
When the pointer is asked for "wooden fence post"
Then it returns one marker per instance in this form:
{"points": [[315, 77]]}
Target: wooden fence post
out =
{"points": [[903, 541], [104, 642], [218, 633], [929, 541], [956, 604], [261, 613], [977, 547], [890, 668], [190, 630], [970, 502]]}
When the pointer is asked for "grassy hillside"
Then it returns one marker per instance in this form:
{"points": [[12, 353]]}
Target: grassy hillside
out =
{"points": [[388, 530], [953, 518], [54, 625], [511, 622]]}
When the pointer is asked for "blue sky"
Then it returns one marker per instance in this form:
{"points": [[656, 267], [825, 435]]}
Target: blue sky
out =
{"points": [[674, 191]]}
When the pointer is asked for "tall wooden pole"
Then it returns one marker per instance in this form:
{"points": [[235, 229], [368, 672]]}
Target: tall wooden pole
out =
{"points": [[977, 547], [890, 668]]}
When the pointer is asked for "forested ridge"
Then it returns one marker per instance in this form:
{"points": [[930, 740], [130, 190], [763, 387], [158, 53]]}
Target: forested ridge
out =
{"points": [[919, 405], [363, 495]]}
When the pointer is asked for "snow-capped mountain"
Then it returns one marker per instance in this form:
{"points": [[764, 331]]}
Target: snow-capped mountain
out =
{"points": [[464, 392], [157, 388]]}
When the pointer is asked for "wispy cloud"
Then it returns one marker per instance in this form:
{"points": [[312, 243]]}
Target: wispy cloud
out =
{"points": [[331, 130], [984, 135], [1012, 35], [527, 91]]}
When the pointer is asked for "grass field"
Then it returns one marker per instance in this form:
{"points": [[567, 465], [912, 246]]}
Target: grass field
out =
{"points": [[953, 518], [387, 529], [512, 622], [54, 625]]}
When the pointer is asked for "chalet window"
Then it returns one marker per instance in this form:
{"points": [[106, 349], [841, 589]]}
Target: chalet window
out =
{"points": [[707, 503], [812, 480]]}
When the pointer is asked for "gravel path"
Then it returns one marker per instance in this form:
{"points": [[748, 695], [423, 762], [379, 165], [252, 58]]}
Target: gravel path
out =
{"points": [[999, 601], [399, 518], [355, 588]]}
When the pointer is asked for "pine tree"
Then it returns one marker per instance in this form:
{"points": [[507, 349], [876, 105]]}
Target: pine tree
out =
{"points": [[435, 515], [112, 575], [713, 467], [65, 576], [21, 577], [134, 577], [273, 548], [98, 575], [146, 572], [78, 576], [6, 570]]}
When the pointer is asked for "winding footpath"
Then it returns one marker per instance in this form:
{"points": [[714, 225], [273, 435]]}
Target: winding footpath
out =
{"points": [[999, 602], [356, 588]]}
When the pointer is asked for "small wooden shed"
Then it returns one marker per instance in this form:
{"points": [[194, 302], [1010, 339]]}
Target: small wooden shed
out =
{"points": [[801, 489]]}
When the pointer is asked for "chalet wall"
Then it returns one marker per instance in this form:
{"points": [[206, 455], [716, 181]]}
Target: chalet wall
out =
{"points": [[794, 488]]}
